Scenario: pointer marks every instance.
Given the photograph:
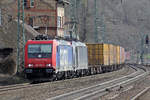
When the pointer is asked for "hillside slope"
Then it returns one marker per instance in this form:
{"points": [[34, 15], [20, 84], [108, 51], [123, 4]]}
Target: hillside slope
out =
{"points": [[125, 22]]}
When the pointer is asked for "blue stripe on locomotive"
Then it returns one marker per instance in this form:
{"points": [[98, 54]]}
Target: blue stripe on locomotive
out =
{"points": [[64, 57], [58, 57]]}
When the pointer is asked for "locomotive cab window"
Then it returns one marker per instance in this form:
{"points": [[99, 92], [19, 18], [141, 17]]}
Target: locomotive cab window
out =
{"points": [[40, 51]]}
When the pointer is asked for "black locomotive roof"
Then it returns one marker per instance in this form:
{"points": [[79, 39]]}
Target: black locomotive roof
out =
{"points": [[46, 37]]}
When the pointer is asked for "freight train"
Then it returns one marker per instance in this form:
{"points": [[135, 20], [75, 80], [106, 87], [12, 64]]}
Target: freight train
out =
{"points": [[60, 59]]}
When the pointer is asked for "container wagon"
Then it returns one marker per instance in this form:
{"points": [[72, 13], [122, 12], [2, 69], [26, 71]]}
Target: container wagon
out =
{"points": [[98, 56], [103, 57]]}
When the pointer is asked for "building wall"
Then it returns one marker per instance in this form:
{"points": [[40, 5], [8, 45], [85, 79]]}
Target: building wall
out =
{"points": [[43, 15], [60, 19]]}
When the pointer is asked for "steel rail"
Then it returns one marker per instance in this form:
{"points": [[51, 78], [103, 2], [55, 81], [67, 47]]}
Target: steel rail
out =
{"points": [[95, 87], [9, 88], [103, 90], [140, 94]]}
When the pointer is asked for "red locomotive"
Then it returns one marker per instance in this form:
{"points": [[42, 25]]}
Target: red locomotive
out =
{"points": [[53, 57]]}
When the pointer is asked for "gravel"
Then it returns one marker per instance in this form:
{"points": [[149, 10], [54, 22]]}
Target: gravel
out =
{"points": [[130, 91], [64, 86], [145, 96]]}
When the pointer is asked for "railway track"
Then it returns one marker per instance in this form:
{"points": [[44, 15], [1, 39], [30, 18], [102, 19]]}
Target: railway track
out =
{"points": [[136, 97], [100, 89], [10, 88], [6, 89]]}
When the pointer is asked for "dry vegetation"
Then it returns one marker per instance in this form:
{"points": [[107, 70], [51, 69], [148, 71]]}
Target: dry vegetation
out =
{"points": [[124, 21], [8, 36]]}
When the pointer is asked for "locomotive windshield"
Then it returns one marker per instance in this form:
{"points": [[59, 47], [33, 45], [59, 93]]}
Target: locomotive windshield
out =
{"points": [[40, 51]]}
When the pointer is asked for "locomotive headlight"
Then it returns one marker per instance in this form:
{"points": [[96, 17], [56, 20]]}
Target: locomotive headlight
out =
{"points": [[48, 65], [30, 65]]}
